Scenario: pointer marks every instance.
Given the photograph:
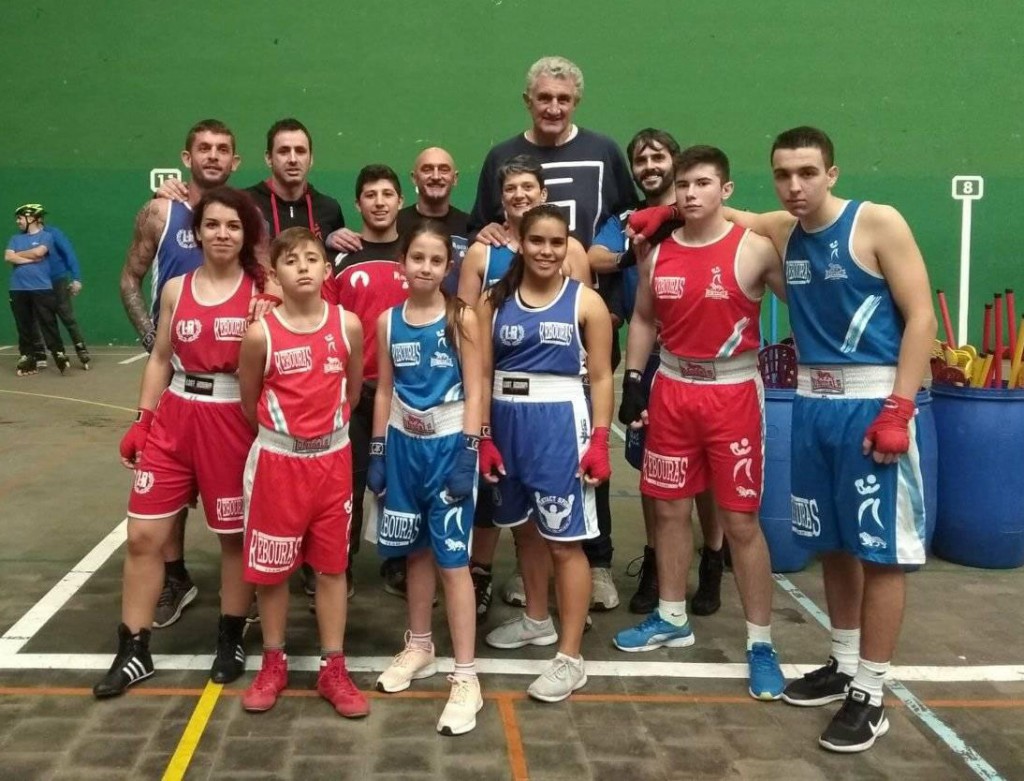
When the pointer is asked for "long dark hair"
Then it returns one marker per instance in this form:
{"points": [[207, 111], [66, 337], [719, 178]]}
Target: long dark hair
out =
{"points": [[453, 305], [513, 277], [252, 227]]}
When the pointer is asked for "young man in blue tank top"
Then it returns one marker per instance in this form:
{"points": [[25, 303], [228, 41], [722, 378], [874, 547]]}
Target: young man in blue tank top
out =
{"points": [[163, 241], [861, 312]]}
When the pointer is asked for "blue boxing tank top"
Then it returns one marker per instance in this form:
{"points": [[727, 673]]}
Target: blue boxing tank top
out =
{"points": [[177, 253], [496, 264], [425, 367], [544, 340], [840, 312]]}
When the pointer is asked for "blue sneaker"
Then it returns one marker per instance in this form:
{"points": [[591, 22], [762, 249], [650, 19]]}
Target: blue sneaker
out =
{"points": [[766, 681], [653, 632]]}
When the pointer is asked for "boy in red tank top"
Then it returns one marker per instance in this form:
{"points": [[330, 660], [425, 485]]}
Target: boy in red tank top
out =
{"points": [[703, 286], [300, 372]]}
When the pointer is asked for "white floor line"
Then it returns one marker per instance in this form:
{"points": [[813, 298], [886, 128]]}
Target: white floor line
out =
{"points": [[134, 358], [897, 677], [5, 347], [15, 638], [611, 669]]}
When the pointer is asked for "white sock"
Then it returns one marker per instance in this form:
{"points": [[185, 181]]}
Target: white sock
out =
{"points": [[870, 677], [758, 634], [576, 660], [535, 624], [423, 642], [465, 671], [673, 612], [846, 649]]}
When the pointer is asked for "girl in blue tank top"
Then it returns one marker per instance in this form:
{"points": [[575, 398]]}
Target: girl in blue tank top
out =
{"points": [[423, 464], [548, 450]]}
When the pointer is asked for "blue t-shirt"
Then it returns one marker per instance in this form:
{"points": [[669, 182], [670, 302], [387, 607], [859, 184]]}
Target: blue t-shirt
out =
{"points": [[63, 261], [31, 276]]}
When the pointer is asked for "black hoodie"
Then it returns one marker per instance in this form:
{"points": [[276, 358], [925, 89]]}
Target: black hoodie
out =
{"points": [[326, 218]]}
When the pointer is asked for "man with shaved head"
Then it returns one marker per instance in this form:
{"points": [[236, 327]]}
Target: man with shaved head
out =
{"points": [[434, 175]]}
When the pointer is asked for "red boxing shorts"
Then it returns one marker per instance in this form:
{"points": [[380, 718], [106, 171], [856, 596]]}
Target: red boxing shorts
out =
{"points": [[298, 506], [193, 445], [705, 433]]}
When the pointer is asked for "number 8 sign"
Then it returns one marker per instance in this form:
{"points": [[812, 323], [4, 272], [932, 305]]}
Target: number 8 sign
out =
{"points": [[968, 188]]}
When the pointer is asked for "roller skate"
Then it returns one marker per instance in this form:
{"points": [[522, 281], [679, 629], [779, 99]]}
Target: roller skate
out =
{"points": [[27, 365], [62, 361], [83, 355]]}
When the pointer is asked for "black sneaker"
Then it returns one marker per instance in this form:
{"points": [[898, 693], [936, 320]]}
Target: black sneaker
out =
{"points": [[645, 600], [482, 578], [708, 598], [819, 687], [83, 355], [175, 597], [393, 573], [62, 361], [229, 663], [856, 726], [132, 664]]}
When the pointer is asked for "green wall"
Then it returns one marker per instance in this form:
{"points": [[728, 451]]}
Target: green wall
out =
{"points": [[95, 94]]}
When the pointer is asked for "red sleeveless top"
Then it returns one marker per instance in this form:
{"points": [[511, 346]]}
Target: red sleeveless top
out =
{"points": [[702, 311], [206, 336]]}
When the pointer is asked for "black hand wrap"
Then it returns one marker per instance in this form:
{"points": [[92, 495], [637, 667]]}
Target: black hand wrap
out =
{"points": [[634, 397]]}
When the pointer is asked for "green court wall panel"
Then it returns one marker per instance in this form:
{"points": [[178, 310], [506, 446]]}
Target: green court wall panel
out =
{"points": [[913, 93]]}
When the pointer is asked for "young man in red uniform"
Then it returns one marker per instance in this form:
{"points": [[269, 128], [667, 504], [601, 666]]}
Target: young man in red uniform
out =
{"points": [[300, 371], [703, 286], [367, 283]]}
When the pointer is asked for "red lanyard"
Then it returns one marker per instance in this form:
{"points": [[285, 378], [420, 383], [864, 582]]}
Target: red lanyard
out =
{"points": [[277, 220]]}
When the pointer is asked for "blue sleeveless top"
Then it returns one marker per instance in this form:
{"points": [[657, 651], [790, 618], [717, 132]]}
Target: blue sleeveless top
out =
{"points": [[176, 254], [545, 340], [840, 312], [496, 264], [426, 367]]}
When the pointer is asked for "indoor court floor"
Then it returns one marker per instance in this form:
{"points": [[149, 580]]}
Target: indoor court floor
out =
{"points": [[956, 699]]}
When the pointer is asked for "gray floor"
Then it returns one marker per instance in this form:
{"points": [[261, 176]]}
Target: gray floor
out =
{"points": [[62, 492]]}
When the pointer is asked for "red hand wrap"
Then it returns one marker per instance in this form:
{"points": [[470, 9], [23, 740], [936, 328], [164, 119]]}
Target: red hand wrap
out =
{"points": [[889, 431], [646, 221], [135, 438], [490, 458], [596, 461], [268, 297]]}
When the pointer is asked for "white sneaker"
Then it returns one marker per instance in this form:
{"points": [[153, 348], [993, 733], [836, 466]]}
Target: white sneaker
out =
{"points": [[514, 592], [410, 665], [604, 595], [464, 702], [561, 679], [518, 632]]}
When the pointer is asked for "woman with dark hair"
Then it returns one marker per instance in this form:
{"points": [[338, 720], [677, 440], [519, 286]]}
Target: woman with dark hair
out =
{"points": [[190, 435], [542, 332]]}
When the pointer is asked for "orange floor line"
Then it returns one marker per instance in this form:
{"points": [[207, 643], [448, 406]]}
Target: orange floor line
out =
{"points": [[513, 739], [1008, 703]]}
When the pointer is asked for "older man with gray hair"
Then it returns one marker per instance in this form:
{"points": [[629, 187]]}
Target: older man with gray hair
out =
{"points": [[587, 176]]}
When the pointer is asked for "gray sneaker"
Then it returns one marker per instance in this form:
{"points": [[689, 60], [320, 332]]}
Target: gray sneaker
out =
{"points": [[514, 592], [175, 597], [560, 680], [604, 595], [518, 632]]}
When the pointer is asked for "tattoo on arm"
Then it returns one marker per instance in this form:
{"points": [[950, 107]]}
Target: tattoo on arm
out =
{"points": [[148, 225]]}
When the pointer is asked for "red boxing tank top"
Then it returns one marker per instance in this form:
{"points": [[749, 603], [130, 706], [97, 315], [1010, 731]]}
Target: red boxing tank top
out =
{"points": [[368, 289], [702, 311], [206, 336], [305, 380]]}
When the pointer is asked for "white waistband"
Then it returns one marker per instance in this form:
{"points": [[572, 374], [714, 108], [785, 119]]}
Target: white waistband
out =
{"points": [[721, 371], [846, 382], [205, 387], [440, 421], [519, 386], [295, 446]]}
